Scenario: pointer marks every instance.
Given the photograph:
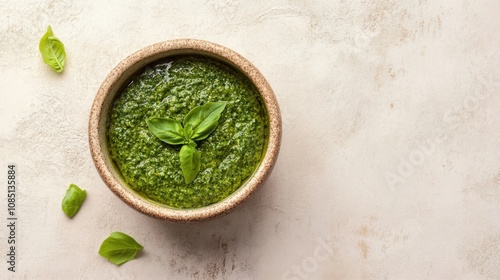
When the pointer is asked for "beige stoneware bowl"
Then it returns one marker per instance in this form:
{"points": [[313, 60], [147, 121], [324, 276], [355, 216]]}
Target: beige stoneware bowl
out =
{"points": [[122, 73]]}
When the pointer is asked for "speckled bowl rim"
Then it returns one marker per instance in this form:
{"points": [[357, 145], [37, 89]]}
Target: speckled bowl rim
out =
{"points": [[109, 90]]}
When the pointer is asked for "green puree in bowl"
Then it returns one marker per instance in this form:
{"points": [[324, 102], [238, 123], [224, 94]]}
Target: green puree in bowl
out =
{"points": [[171, 89]]}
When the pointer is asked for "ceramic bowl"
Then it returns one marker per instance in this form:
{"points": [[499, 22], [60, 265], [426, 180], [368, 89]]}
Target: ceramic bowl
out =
{"points": [[122, 73]]}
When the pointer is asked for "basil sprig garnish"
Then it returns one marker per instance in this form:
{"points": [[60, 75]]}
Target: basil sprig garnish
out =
{"points": [[52, 50], [119, 248], [72, 200], [197, 125]]}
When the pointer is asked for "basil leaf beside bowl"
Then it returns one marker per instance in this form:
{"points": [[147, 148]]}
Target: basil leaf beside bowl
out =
{"points": [[73, 200], [119, 248], [52, 50]]}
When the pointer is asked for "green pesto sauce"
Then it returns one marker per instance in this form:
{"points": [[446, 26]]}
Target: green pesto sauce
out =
{"points": [[171, 89]]}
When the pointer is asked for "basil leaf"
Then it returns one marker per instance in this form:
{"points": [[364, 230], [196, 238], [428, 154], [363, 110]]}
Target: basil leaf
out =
{"points": [[188, 131], [192, 143], [190, 162], [119, 248], [167, 130], [52, 50], [73, 200], [204, 119]]}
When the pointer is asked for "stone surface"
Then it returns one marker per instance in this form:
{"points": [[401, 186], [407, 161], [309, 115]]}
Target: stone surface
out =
{"points": [[390, 160]]}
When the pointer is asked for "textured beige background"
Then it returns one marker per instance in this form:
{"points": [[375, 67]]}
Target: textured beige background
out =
{"points": [[390, 163]]}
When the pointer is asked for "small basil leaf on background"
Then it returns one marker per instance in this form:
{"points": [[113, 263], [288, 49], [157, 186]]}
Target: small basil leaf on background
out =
{"points": [[52, 50], [73, 200], [119, 248], [190, 162], [204, 119], [167, 130]]}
